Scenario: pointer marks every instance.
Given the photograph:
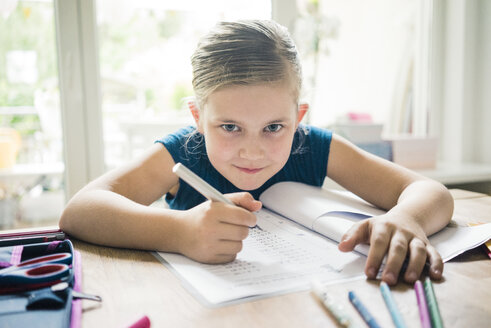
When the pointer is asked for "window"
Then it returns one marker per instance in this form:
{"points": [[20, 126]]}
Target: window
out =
{"points": [[31, 169], [370, 57], [365, 57], [144, 54]]}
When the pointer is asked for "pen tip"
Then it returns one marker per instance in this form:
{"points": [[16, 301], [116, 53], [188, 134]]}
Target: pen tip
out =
{"points": [[316, 287], [176, 167]]}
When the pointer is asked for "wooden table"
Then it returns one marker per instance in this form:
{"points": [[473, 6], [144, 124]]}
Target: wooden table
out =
{"points": [[133, 283]]}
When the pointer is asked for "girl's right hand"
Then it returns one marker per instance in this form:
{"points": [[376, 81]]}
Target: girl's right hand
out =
{"points": [[212, 232]]}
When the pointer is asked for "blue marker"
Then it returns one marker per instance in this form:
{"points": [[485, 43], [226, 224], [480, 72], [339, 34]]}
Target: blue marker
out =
{"points": [[362, 310], [391, 305]]}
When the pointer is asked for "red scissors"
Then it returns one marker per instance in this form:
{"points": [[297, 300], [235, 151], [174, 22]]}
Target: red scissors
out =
{"points": [[36, 273]]}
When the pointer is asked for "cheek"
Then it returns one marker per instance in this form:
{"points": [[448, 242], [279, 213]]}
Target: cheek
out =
{"points": [[280, 149], [218, 148]]}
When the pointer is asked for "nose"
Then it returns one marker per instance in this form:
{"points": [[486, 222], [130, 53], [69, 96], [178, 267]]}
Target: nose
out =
{"points": [[251, 149]]}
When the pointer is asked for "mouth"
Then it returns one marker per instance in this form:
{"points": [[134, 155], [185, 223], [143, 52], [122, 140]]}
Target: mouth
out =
{"points": [[249, 170]]}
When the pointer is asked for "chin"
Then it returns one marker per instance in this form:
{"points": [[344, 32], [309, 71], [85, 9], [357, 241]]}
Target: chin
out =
{"points": [[247, 185]]}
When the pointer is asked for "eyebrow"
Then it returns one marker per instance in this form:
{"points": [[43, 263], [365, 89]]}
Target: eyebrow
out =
{"points": [[280, 120]]}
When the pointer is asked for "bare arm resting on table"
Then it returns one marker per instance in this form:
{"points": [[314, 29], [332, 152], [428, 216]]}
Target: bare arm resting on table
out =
{"points": [[417, 207], [114, 210]]}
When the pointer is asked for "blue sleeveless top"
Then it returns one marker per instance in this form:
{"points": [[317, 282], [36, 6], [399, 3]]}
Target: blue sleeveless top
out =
{"points": [[307, 163]]}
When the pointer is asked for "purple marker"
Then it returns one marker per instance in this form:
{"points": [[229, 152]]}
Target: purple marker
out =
{"points": [[424, 315]]}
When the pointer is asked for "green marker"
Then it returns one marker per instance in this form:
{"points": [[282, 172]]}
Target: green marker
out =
{"points": [[436, 319]]}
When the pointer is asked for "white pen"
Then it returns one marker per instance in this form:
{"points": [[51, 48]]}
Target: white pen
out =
{"points": [[332, 305], [201, 185]]}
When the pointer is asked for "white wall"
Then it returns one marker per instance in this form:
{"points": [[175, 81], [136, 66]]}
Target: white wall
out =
{"points": [[483, 102], [463, 49]]}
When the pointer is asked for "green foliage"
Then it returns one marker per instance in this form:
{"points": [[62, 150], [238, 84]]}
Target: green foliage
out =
{"points": [[170, 25], [25, 124], [149, 97], [181, 91], [29, 27], [21, 95]]}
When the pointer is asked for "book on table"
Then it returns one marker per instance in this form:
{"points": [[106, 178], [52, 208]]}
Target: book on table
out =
{"points": [[295, 242]]}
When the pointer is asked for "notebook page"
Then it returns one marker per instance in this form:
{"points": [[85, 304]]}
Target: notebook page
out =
{"points": [[278, 258], [455, 240], [305, 204]]}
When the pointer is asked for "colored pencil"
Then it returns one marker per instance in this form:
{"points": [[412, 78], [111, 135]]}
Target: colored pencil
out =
{"points": [[392, 306], [436, 319], [424, 315], [332, 305], [362, 310]]}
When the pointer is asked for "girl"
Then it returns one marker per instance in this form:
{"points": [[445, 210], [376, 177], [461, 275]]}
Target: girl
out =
{"points": [[247, 81]]}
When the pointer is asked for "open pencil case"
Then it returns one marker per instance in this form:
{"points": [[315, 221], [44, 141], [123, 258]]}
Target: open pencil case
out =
{"points": [[36, 285]]}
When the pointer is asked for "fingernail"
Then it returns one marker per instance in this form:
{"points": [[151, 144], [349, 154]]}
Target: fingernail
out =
{"points": [[412, 276], [436, 272], [345, 237], [390, 278], [371, 273]]}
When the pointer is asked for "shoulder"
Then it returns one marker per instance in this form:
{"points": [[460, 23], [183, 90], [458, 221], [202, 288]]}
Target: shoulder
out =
{"points": [[177, 137], [308, 160], [310, 138], [183, 139], [311, 132], [186, 145], [315, 132]]}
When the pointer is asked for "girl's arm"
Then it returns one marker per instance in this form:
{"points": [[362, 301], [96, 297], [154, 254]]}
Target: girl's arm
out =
{"points": [[114, 210], [417, 207]]}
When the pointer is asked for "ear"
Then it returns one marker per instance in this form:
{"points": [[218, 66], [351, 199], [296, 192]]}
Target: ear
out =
{"points": [[302, 110], [193, 107]]}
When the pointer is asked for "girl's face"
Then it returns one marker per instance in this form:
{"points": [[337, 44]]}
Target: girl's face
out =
{"points": [[249, 131]]}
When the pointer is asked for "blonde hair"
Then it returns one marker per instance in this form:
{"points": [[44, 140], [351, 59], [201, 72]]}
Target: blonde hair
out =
{"points": [[246, 52]]}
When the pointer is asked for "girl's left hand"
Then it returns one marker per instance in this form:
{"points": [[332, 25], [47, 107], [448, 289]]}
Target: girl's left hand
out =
{"points": [[398, 237]]}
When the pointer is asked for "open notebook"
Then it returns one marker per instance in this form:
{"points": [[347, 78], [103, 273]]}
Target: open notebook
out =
{"points": [[331, 213], [295, 243]]}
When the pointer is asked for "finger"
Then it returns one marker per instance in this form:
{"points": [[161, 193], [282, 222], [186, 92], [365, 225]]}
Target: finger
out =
{"points": [[228, 247], [379, 244], [245, 200], [397, 253], [234, 215], [233, 232], [221, 259], [417, 260], [436, 263], [357, 234], [221, 252]]}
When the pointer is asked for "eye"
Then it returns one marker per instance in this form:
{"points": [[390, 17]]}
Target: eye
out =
{"points": [[274, 127], [230, 127]]}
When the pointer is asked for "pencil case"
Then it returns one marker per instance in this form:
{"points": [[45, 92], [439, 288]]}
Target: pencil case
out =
{"points": [[26, 302]]}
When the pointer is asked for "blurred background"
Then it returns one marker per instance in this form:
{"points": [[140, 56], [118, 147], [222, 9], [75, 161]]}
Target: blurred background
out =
{"points": [[86, 85]]}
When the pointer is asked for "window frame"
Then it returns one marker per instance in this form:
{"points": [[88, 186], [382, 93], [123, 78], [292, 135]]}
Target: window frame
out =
{"points": [[78, 67], [443, 109]]}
